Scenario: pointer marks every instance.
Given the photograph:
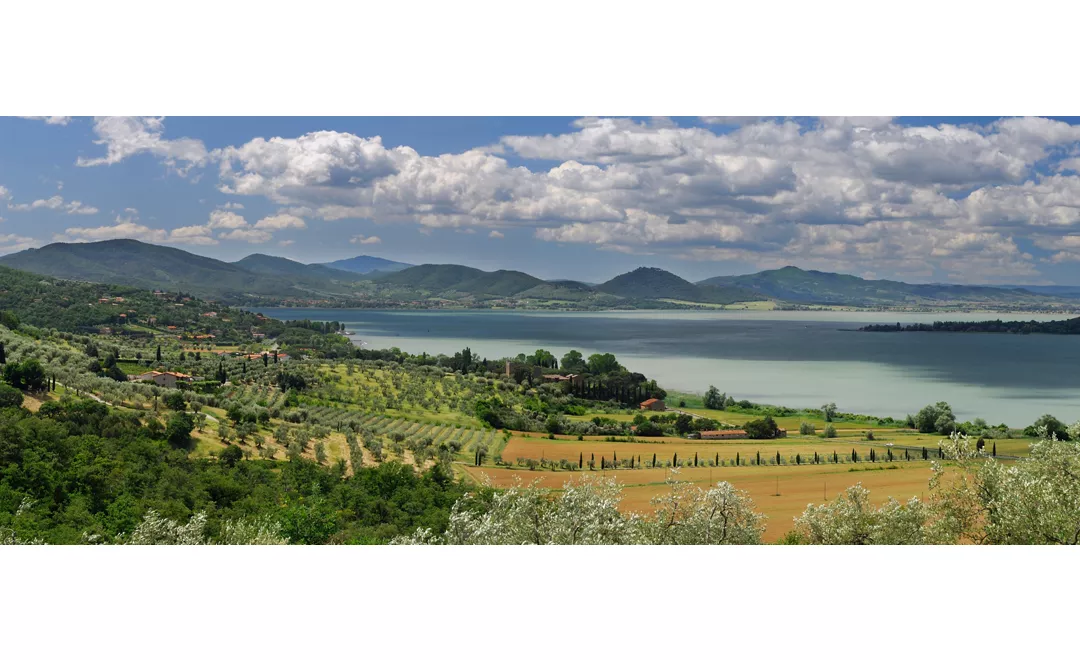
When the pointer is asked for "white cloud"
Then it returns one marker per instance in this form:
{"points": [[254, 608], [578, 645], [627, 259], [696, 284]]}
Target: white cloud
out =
{"points": [[4, 193], [281, 221], [232, 205], [871, 189], [249, 235], [226, 220], [57, 121], [360, 239], [55, 203], [193, 235], [123, 229], [496, 234], [14, 243], [286, 243], [124, 137]]}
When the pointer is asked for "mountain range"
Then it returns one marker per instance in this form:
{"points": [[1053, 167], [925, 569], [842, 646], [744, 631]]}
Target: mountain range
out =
{"points": [[373, 282]]}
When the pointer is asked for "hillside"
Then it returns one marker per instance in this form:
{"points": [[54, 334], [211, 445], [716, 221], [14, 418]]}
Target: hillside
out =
{"points": [[307, 275], [365, 264], [810, 286], [72, 306], [655, 283], [146, 266]]}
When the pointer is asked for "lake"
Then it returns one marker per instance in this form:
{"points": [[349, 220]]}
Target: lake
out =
{"points": [[799, 359]]}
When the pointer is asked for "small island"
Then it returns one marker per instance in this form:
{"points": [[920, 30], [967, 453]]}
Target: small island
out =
{"points": [[1066, 327]]}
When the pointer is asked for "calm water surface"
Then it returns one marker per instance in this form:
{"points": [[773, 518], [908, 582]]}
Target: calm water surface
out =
{"points": [[790, 358]]}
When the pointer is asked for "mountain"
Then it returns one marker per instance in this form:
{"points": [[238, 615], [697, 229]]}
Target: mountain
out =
{"points": [[365, 264], [815, 287], [655, 283], [130, 262], [311, 275], [451, 278]]}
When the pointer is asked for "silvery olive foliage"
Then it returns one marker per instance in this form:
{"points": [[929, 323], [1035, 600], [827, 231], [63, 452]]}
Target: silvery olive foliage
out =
{"points": [[586, 512], [851, 519], [158, 530]]}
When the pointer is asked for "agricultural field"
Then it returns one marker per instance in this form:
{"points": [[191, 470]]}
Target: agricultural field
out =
{"points": [[779, 493]]}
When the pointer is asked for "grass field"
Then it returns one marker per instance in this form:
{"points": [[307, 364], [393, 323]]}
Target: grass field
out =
{"points": [[797, 486]]}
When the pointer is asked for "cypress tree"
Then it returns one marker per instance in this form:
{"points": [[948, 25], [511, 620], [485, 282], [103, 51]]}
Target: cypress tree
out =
{"points": [[759, 458], [924, 453], [798, 459], [3, 356], [654, 460], [695, 459], [159, 354], [614, 458], [778, 458], [815, 458], [854, 456], [717, 460], [581, 460], [835, 458], [675, 460], [737, 458], [994, 453]]}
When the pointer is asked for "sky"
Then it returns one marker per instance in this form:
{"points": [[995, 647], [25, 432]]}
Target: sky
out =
{"points": [[920, 199]]}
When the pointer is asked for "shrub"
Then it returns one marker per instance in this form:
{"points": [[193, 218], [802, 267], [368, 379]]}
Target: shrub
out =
{"points": [[830, 431]]}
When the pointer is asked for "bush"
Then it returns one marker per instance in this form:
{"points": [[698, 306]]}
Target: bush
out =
{"points": [[806, 428], [830, 431]]}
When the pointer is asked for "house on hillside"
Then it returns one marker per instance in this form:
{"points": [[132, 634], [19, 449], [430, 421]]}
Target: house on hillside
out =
{"points": [[653, 404], [164, 378], [515, 367], [573, 379]]}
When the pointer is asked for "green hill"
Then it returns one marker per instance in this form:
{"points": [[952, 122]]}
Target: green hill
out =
{"points": [[810, 286], [137, 264], [365, 264], [313, 276], [656, 283]]}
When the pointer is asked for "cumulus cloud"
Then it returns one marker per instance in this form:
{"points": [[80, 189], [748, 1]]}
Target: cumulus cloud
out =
{"points": [[193, 235], [248, 235], [281, 221], [854, 193], [122, 229], [496, 234], [56, 121], [15, 243], [4, 193], [220, 219], [55, 203], [124, 137], [360, 239]]}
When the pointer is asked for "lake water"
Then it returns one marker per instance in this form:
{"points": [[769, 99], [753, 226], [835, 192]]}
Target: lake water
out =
{"points": [[800, 359]]}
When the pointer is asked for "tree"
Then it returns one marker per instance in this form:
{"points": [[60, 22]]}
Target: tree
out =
{"points": [[714, 400], [806, 428], [603, 363], [28, 375], [178, 430], [936, 418], [830, 431], [683, 424], [829, 410], [573, 362], [1053, 426], [158, 358], [231, 455], [762, 429], [3, 355], [10, 397], [175, 400]]}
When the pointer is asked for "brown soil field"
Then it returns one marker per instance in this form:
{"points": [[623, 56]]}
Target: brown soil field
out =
{"points": [[798, 486]]}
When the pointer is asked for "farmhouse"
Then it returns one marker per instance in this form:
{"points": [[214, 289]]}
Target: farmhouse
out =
{"points": [[653, 404], [574, 379], [164, 378]]}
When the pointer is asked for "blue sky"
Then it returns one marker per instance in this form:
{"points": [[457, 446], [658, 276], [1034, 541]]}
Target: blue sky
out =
{"points": [[964, 200]]}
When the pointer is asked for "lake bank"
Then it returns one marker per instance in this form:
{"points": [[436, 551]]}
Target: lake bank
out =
{"points": [[795, 359]]}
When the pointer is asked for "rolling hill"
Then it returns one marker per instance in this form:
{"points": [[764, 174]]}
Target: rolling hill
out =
{"points": [[365, 264], [311, 275], [133, 263], [655, 283], [793, 284]]}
